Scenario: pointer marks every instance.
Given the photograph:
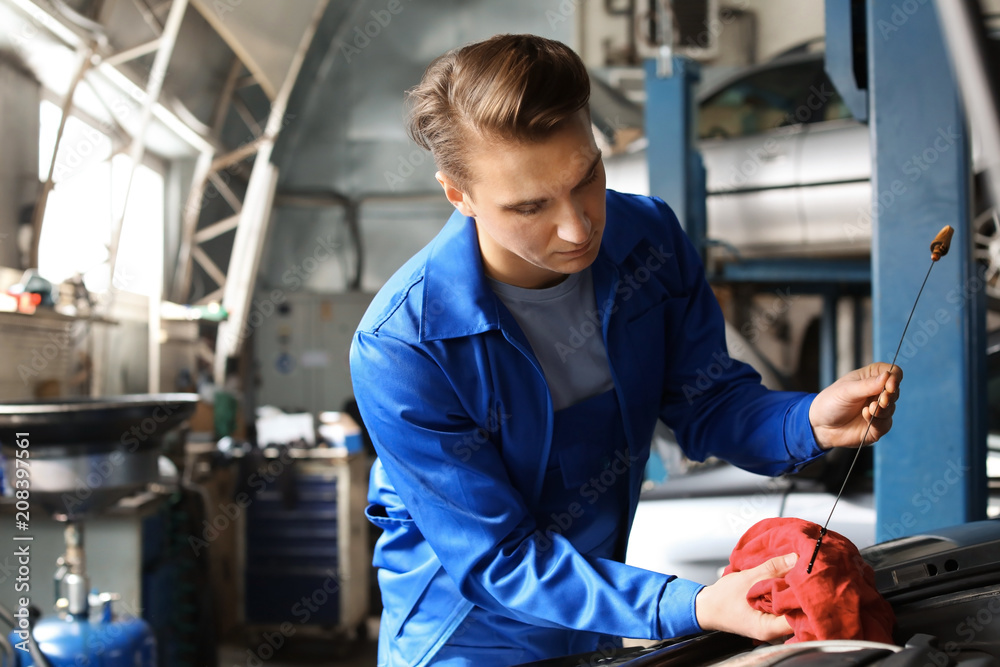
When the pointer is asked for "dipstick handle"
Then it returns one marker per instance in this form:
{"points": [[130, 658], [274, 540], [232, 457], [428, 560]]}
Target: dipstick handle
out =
{"points": [[942, 243]]}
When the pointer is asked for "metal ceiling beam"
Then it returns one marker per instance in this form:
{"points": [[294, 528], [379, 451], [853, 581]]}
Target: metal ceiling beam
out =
{"points": [[133, 53], [224, 31], [154, 85], [71, 37], [217, 229], [257, 207], [227, 193]]}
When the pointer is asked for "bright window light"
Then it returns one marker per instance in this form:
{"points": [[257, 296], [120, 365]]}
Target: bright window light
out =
{"points": [[89, 191], [82, 146]]}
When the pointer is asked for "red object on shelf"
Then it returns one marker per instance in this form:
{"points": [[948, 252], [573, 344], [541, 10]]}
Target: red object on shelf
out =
{"points": [[27, 301]]}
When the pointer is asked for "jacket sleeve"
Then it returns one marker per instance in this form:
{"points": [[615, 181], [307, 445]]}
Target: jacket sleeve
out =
{"points": [[449, 474], [717, 405]]}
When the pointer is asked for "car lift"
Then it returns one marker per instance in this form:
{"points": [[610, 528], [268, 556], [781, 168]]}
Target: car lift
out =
{"points": [[890, 64]]}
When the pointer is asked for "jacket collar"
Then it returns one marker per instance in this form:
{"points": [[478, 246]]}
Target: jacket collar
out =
{"points": [[458, 300]]}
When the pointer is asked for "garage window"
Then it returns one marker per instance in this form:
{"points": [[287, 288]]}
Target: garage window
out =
{"points": [[91, 177]]}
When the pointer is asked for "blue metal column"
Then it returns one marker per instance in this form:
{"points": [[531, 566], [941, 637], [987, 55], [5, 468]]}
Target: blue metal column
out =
{"points": [[930, 470], [844, 54], [676, 171], [828, 339]]}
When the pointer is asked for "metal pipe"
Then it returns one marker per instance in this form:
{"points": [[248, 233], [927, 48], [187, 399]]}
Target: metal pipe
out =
{"points": [[966, 41], [75, 581], [133, 53], [189, 226], [148, 16], [137, 150], [828, 340], [153, 87], [96, 30], [75, 558]]}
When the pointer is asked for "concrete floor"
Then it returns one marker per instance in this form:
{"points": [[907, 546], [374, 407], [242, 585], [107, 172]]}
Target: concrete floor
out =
{"points": [[252, 650], [300, 653]]}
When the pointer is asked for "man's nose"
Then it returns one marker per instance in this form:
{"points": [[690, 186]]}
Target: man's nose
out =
{"points": [[575, 225]]}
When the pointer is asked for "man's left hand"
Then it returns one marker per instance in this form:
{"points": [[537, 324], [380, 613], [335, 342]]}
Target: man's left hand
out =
{"points": [[840, 413]]}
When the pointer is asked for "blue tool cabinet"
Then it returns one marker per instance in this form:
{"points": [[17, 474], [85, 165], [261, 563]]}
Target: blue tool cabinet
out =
{"points": [[307, 559]]}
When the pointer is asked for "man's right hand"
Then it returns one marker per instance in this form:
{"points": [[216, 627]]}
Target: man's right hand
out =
{"points": [[724, 606]]}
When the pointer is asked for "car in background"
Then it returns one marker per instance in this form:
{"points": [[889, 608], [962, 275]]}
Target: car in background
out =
{"points": [[788, 168]]}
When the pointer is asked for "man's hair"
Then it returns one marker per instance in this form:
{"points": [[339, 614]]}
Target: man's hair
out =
{"points": [[508, 87]]}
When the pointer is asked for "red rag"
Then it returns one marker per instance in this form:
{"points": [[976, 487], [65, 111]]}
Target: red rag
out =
{"points": [[837, 600]]}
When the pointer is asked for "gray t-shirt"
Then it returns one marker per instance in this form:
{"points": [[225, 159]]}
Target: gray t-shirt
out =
{"points": [[563, 326]]}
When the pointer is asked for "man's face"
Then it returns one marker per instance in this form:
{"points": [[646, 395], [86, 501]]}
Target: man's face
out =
{"points": [[538, 206]]}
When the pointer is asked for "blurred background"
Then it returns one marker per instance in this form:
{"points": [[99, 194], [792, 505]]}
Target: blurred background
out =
{"points": [[198, 200]]}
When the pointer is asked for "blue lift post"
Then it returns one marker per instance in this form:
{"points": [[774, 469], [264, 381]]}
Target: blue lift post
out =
{"points": [[677, 174], [676, 171], [930, 470]]}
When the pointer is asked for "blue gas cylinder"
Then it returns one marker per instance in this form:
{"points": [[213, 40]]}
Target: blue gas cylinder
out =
{"points": [[80, 642]]}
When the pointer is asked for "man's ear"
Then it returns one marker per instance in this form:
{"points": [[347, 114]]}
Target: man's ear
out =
{"points": [[458, 198]]}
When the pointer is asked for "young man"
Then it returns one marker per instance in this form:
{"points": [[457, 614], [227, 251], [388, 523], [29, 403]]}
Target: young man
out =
{"points": [[511, 374]]}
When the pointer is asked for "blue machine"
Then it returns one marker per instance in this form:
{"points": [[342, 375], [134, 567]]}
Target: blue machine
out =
{"points": [[80, 641]]}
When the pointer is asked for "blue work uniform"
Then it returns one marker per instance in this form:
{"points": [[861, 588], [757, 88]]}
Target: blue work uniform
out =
{"points": [[505, 521]]}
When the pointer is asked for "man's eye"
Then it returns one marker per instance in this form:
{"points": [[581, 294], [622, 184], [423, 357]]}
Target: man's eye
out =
{"points": [[528, 211]]}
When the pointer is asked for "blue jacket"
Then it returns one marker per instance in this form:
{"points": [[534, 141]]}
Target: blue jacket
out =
{"points": [[461, 418]]}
